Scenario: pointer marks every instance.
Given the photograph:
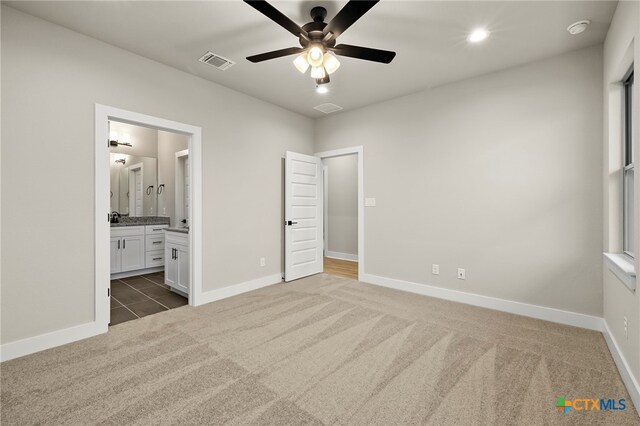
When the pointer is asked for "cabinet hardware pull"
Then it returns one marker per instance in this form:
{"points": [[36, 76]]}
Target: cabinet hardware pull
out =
{"points": [[118, 244], [124, 243], [157, 258], [157, 242], [157, 229]]}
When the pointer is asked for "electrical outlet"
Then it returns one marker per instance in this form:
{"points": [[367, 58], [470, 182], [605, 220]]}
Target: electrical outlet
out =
{"points": [[263, 261], [626, 328], [435, 269], [462, 275]]}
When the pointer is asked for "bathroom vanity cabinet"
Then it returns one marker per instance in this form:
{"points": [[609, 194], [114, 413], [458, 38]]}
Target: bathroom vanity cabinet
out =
{"points": [[154, 245], [136, 250], [127, 249], [176, 255]]}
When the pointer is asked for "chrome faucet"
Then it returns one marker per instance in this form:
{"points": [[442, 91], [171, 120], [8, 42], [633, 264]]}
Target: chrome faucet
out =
{"points": [[115, 217]]}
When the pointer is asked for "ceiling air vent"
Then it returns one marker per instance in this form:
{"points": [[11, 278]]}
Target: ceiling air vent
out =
{"points": [[328, 108], [217, 61]]}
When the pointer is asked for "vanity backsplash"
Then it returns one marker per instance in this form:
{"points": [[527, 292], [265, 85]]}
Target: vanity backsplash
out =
{"points": [[141, 220]]}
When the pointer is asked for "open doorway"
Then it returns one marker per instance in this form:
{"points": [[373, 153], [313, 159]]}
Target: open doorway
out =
{"points": [[341, 215], [304, 214], [136, 219], [148, 204]]}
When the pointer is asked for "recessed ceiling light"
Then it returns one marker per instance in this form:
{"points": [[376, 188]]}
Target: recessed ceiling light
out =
{"points": [[578, 27], [322, 88], [478, 35]]}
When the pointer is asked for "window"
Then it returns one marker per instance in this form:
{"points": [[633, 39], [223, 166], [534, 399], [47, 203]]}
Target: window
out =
{"points": [[629, 170]]}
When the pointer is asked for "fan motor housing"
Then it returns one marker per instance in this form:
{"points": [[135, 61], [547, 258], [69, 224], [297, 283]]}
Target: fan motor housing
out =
{"points": [[315, 29]]}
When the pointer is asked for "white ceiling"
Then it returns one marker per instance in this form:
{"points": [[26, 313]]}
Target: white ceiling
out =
{"points": [[429, 38]]}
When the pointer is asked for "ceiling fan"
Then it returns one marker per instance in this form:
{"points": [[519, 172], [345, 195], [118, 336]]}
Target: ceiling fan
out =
{"points": [[318, 39]]}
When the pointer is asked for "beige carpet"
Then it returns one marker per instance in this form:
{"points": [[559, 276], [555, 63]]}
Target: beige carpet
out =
{"points": [[322, 350]]}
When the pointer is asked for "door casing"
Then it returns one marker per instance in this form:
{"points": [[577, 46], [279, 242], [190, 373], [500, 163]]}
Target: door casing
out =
{"points": [[103, 114], [359, 151]]}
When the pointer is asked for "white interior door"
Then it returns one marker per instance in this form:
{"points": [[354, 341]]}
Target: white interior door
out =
{"points": [[136, 190], [303, 213]]}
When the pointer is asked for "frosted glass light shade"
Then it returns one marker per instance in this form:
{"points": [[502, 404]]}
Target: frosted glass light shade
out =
{"points": [[331, 63], [318, 72], [314, 57], [301, 63]]}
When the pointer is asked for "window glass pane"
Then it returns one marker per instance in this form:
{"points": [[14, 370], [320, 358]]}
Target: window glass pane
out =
{"points": [[629, 218], [632, 107]]}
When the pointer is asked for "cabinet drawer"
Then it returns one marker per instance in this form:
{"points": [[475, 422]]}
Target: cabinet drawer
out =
{"points": [[155, 242], [154, 258], [155, 229], [177, 238], [127, 231]]}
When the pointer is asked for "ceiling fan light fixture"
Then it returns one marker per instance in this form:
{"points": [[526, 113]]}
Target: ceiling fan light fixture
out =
{"points": [[315, 56], [331, 63], [324, 80], [322, 89], [300, 62], [318, 72]]}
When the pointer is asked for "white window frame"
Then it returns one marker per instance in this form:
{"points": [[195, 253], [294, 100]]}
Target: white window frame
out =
{"points": [[628, 224]]}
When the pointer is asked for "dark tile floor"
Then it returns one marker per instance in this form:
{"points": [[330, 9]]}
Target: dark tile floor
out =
{"points": [[137, 297]]}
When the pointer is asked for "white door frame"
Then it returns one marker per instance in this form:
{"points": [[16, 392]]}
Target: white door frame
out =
{"points": [[325, 208], [132, 200], [102, 206], [359, 151], [178, 194]]}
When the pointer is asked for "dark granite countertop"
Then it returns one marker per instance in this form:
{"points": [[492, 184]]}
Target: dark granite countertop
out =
{"points": [[141, 221]]}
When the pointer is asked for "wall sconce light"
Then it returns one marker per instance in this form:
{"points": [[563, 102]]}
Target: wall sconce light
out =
{"points": [[113, 139]]}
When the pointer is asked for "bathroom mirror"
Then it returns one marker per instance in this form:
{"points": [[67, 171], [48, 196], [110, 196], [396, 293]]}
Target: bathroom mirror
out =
{"points": [[134, 185], [144, 163]]}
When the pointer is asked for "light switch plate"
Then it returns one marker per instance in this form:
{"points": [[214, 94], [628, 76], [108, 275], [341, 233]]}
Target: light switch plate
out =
{"points": [[369, 202]]}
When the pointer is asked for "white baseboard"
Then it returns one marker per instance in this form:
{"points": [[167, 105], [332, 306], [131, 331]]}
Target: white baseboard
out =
{"points": [[623, 367], [534, 311], [342, 256], [61, 337], [50, 340], [236, 289]]}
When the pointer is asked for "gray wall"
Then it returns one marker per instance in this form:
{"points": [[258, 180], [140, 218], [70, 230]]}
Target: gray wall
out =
{"points": [[144, 141], [619, 51], [51, 80], [343, 204], [168, 144], [498, 174]]}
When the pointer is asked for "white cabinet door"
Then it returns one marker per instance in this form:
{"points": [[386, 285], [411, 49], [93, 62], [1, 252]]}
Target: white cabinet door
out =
{"points": [[170, 266], [183, 269], [132, 253], [116, 264]]}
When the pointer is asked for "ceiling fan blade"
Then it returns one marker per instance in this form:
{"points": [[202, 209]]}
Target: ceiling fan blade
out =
{"points": [[366, 53], [349, 14], [275, 54], [276, 16]]}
